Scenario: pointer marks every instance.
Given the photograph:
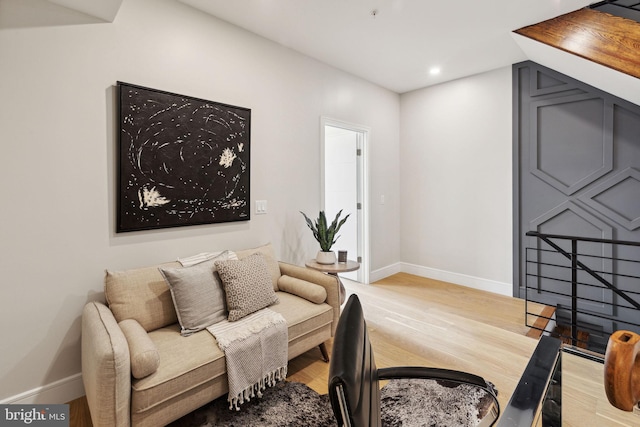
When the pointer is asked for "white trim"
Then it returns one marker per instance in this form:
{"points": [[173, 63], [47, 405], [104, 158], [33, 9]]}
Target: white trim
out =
{"points": [[459, 279], [387, 271], [61, 391], [365, 132], [445, 276]]}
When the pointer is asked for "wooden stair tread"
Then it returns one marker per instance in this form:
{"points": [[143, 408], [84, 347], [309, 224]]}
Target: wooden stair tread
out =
{"points": [[605, 39], [541, 322]]}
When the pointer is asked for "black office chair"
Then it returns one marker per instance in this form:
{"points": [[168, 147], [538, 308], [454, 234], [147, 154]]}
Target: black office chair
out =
{"points": [[354, 388]]}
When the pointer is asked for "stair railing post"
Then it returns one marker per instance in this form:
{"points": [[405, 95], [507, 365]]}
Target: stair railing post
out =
{"points": [[574, 292]]}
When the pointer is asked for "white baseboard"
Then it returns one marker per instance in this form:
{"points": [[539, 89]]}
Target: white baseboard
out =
{"points": [[459, 279], [385, 272], [61, 391], [446, 276]]}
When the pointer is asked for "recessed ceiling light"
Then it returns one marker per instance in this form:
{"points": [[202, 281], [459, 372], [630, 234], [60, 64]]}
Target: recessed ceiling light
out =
{"points": [[434, 71]]}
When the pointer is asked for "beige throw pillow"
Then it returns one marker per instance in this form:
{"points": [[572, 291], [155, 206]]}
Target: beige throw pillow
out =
{"points": [[247, 284], [143, 353], [197, 294], [269, 253], [307, 290], [141, 294]]}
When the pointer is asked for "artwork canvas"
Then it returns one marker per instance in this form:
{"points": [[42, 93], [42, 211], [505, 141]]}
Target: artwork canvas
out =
{"points": [[182, 160]]}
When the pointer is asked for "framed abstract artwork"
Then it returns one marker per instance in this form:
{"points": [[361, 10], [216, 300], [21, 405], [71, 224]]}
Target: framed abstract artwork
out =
{"points": [[182, 160]]}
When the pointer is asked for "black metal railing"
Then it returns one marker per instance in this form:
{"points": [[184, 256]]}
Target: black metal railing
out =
{"points": [[592, 286]]}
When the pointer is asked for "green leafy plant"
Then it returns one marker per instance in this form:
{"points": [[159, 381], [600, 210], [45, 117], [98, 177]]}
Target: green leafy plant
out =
{"points": [[325, 234]]}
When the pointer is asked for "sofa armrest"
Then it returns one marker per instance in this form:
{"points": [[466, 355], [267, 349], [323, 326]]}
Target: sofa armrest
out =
{"points": [[327, 281], [106, 369]]}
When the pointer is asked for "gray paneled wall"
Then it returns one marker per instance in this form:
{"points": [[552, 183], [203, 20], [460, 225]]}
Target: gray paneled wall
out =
{"points": [[576, 172]]}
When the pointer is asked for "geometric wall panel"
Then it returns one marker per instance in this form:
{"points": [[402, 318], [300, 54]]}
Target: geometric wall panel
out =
{"points": [[569, 147], [569, 219], [576, 152], [543, 84], [618, 198]]}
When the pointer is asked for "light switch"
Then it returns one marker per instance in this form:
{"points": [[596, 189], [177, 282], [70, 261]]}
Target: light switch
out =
{"points": [[261, 207]]}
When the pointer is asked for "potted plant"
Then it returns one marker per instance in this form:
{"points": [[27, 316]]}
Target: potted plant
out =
{"points": [[326, 235]]}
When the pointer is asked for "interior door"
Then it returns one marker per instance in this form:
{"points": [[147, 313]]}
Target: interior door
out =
{"points": [[343, 188]]}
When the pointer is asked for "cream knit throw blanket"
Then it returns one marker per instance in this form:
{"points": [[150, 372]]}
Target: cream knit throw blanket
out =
{"points": [[256, 349]]}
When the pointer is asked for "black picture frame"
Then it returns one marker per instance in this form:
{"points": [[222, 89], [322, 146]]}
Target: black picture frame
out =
{"points": [[181, 160]]}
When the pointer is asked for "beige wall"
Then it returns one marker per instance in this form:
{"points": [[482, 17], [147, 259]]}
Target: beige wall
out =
{"points": [[57, 180], [456, 178]]}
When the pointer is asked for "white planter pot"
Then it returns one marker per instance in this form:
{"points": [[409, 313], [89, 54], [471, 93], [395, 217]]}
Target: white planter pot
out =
{"points": [[326, 257]]}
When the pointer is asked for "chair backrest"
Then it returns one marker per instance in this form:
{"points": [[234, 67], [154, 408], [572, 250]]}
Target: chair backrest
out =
{"points": [[353, 379]]}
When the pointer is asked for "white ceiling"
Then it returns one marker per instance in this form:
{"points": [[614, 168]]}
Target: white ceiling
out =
{"points": [[395, 49], [405, 39]]}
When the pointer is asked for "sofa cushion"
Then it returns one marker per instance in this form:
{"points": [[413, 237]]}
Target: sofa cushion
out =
{"points": [[269, 253], [302, 316], [141, 294], [247, 285], [143, 354], [307, 290], [187, 362], [197, 294]]}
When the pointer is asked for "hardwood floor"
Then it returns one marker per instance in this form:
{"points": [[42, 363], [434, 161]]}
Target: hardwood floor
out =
{"points": [[584, 402], [418, 321]]}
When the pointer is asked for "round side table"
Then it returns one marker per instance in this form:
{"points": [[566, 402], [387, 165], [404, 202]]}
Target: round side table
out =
{"points": [[334, 269]]}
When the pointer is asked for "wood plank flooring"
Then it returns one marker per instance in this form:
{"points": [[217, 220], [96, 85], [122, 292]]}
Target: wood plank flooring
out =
{"points": [[584, 402], [418, 321]]}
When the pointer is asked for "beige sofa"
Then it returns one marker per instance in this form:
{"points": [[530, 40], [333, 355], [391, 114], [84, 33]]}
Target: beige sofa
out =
{"points": [[139, 370]]}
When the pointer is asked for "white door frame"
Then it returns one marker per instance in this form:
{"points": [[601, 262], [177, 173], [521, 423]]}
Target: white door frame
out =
{"points": [[364, 133]]}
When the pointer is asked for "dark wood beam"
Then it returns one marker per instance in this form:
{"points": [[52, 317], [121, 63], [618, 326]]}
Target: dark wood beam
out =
{"points": [[597, 36]]}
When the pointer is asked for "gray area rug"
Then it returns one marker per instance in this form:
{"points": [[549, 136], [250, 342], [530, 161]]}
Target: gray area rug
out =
{"points": [[415, 402], [405, 403]]}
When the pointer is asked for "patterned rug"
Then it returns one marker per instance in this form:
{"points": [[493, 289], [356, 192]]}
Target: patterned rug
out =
{"points": [[405, 403]]}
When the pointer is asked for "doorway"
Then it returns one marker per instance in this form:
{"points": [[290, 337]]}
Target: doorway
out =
{"points": [[344, 183]]}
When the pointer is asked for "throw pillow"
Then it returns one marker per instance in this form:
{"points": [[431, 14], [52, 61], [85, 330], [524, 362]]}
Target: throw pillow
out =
{"points": [[143, 354], [204, 256], [307, 290], [247, 284], [269, 253], [141, 294], [197, 295]]}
